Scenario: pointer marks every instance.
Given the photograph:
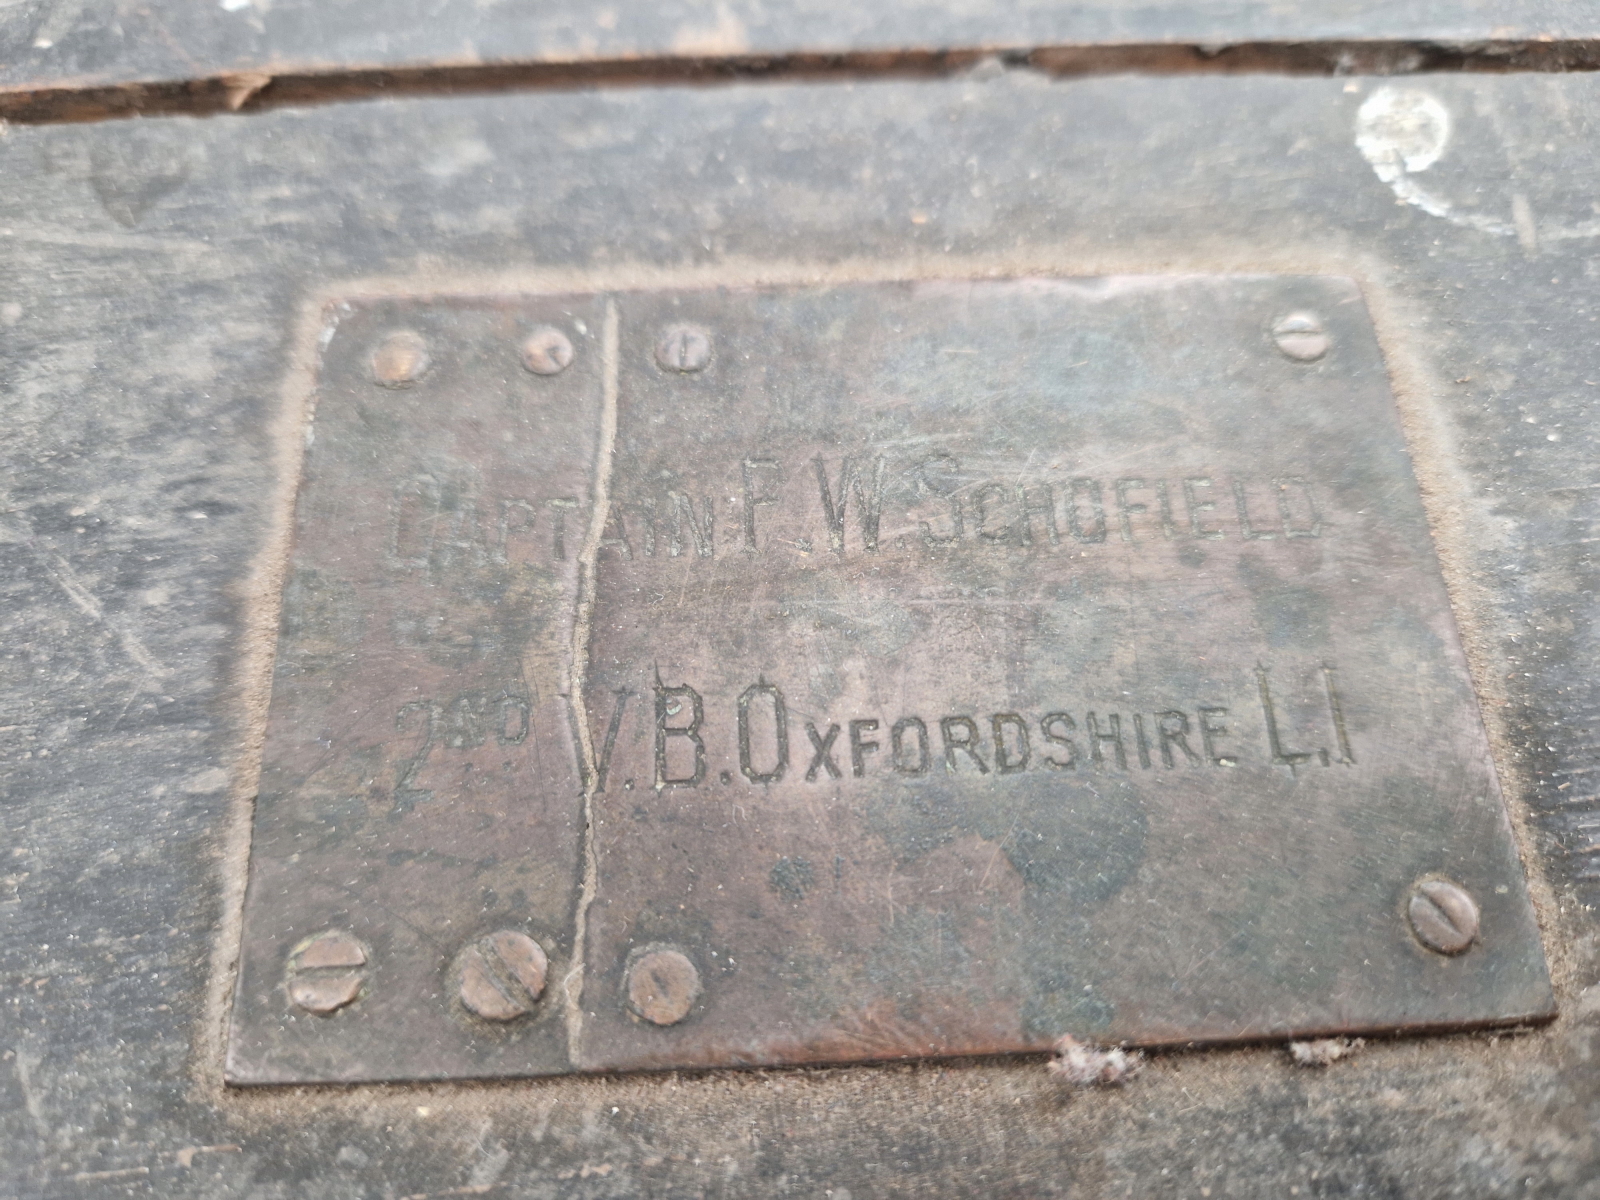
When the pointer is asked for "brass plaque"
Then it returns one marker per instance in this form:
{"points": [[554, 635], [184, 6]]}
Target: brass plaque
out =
{"points": [[839, 673]]}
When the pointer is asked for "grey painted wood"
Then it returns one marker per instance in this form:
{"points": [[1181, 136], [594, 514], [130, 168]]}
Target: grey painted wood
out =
{"points": [[154, 277]]}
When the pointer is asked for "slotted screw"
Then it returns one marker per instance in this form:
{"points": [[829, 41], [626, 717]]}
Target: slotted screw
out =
{"points": [[1302, 337], [325, 972], [400, 359], [546, 351], [501, 977], [1443, 916], [683, 348], [663, 985]]}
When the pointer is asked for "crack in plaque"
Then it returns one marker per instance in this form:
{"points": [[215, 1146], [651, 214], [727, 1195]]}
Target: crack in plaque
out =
{"points": [[588, 561]]}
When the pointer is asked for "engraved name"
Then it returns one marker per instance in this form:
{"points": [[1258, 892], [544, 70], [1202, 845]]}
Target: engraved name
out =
{"points": [[860, 504], [772, 745], [853, 505], [440, 526]]}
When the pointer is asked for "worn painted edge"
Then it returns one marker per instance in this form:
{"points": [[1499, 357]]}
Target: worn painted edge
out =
{"points": [[268, 83]]}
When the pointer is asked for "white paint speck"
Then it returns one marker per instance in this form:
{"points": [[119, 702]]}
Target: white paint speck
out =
{"points": [[1401, 131]]}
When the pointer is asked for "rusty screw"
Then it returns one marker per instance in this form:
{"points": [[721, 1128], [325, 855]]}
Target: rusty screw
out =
{"points": [[1443, 916], [500, 977], [325, 972], [683, 348], [546, 351], [663, 986], [1300, 336], [400, 359]]}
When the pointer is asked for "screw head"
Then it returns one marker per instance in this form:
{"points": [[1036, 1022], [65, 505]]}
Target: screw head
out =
{"points": [[400, 359], [663, 986], [1444, 916], [501, 977], [1301, 336], [683, 348], [325, 972], [546, 351]]}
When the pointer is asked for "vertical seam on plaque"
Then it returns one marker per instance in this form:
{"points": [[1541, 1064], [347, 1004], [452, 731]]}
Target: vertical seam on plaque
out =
{"points": [[588, 564]]}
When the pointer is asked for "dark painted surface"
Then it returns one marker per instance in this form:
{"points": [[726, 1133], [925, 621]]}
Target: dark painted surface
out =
{"points": [[155, 274]]}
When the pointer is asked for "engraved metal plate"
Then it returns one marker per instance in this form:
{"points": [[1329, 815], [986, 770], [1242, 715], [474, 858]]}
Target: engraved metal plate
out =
{"points": [[835, 673]]}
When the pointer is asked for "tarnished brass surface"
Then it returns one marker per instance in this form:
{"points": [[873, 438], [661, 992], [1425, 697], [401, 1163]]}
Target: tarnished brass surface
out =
{"points": [[932, 668], [421, 785]]}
